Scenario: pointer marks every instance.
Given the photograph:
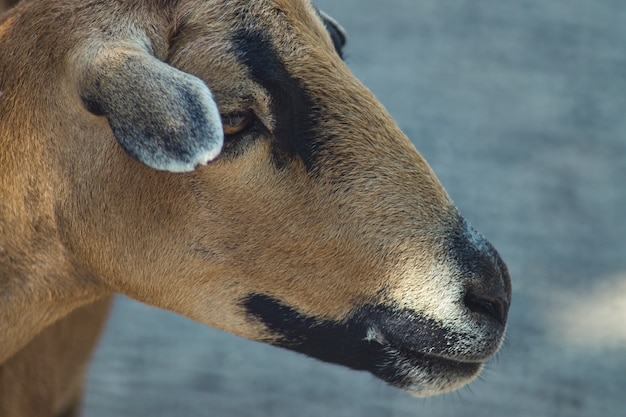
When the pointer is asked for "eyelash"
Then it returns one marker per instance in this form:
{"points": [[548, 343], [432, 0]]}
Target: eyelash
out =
{"points": [[237, 122]]}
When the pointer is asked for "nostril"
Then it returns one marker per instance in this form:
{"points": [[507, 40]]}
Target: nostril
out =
{"points": [[488, 285], [494, 308]]}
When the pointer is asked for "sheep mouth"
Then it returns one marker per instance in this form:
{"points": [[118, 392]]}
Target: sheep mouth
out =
{"points": [[419, 362], [424, 374]]}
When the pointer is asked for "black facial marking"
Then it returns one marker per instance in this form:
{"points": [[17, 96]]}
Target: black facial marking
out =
{"points": [[291, 104], [324, 340], [402, 334]]}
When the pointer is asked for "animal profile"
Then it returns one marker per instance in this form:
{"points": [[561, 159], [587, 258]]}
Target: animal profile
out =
{"points": [[218, 159]]}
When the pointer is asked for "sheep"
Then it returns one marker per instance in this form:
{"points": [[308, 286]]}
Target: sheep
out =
{"points": [[219, 160]]}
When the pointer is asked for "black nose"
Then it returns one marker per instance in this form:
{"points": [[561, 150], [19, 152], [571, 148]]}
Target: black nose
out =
{"points": [[487, 282]]}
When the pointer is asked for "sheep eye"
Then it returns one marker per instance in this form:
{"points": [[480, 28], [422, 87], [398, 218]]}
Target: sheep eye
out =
{"points": [[237, 122]]}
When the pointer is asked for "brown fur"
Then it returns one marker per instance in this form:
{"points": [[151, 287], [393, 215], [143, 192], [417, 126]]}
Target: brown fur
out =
{"points": [[80, 219], [7, 4]]}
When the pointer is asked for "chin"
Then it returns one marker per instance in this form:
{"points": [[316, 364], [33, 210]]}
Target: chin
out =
{"points": [[425, 375]]}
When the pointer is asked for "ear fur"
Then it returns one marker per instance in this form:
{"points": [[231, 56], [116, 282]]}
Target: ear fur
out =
{"points": [[337, 33], [163, 117]]}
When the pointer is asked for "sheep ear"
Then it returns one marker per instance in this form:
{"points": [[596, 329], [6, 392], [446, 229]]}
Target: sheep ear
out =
{"points": [[163, 117]]}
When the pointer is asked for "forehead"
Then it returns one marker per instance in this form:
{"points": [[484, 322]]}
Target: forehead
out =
{"points": [[281, 19], [212, 39]]}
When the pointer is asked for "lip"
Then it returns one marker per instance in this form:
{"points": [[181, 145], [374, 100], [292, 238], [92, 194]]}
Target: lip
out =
{"points": [[426, 374], [439, 359]]}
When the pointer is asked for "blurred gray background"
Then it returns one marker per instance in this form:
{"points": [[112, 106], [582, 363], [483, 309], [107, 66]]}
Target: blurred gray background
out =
{"points": [[519, 108]]}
